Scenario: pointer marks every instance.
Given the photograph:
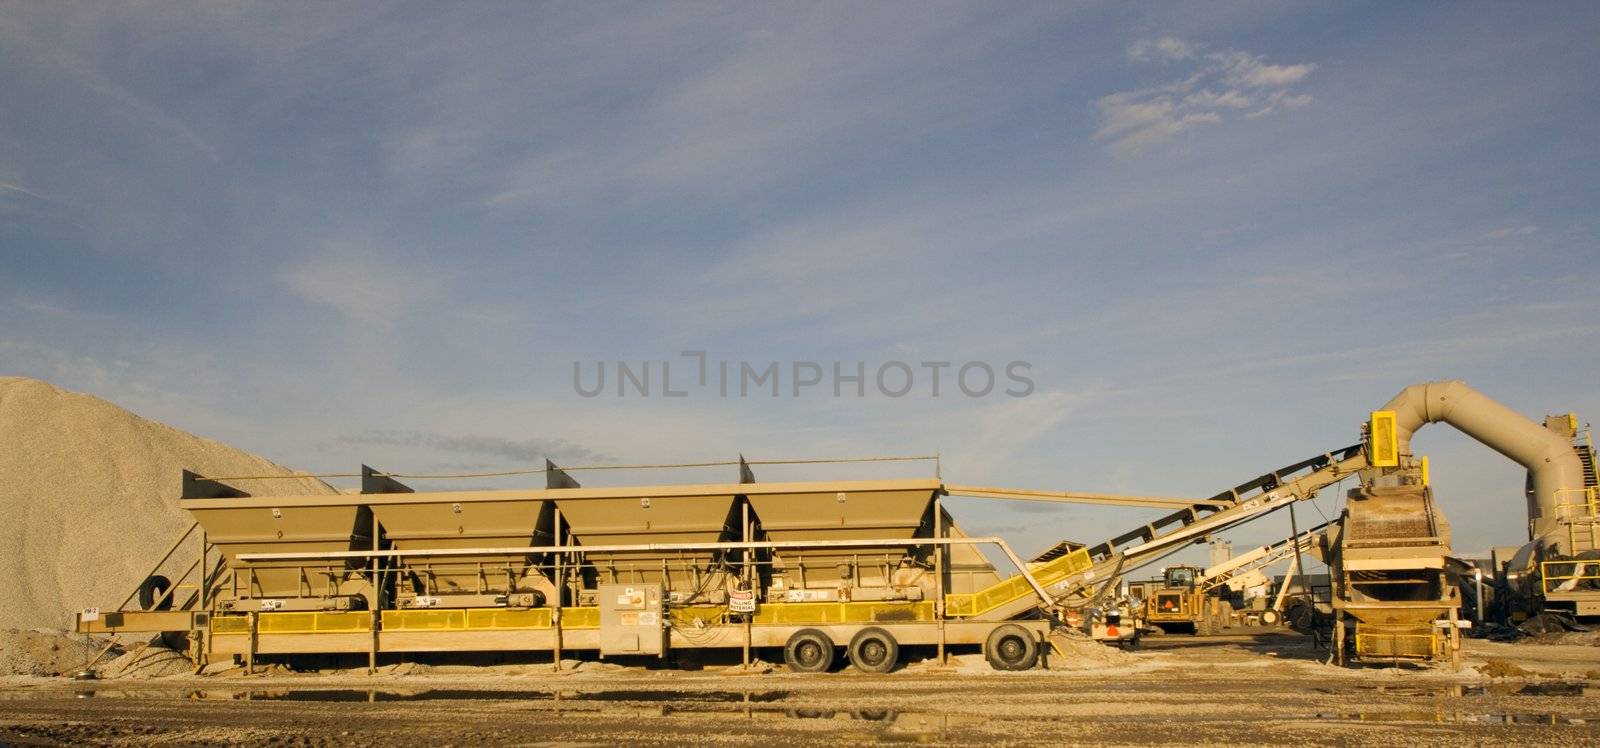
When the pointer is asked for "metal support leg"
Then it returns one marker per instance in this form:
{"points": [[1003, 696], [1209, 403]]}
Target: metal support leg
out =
{"points": [[372, 646], [1455, 642], [250, 654], [1338, 639], [561, 588], [745, 573], [938, 577]]}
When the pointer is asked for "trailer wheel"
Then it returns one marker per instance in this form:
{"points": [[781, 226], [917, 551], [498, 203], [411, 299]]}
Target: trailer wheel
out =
{"points": [[873, 650], [809, 651], [1011, 647], [152, 590], [1270, 617]]}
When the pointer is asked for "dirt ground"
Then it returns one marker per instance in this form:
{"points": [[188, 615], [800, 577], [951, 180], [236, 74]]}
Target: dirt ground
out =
{"points": [[1242, 689]]}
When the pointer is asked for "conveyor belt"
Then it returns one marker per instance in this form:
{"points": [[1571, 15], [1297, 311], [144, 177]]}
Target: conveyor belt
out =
{"points": [[1074, 576]]}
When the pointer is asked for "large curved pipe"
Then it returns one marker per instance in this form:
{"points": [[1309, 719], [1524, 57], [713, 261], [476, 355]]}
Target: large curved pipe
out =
{"points": [[1553, 466]]}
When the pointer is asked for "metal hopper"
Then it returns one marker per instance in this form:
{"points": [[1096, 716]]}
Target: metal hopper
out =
{"points": [[237, 523], [856, 510], [654, 514], [460, 520], [1390, 572]]}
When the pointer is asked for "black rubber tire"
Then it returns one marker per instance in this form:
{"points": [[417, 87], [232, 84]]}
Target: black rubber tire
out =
{"points": [[1300, 615], [151, 590], [873, 650], [809, 651], [1270, 617], [1011, 647]]}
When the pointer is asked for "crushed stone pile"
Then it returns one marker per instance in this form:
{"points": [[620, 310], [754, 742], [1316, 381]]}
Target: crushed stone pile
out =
{"points": [[43, 652], [148, 659], [1078, 651], [89, 495]]}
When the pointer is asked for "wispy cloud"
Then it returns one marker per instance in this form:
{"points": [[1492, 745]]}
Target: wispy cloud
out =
{"points": [[1510, 231], [360, 283], [20, 189], [522, 451], [1166, 48], [1220, 83]]}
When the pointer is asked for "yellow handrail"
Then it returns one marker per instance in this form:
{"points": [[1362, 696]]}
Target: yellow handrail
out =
{"points": [[1580, 571], [965, 605]]}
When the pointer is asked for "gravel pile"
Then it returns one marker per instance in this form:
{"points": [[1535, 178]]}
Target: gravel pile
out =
{"points": [[44, 652], [89, 496]]}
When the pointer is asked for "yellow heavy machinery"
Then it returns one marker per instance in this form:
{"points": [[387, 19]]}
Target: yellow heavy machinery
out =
{"points": [[1184, 604], [1389, 553], [809, 568]]}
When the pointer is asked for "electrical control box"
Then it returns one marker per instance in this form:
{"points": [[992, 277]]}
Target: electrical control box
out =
{"points": [[631, 620]]}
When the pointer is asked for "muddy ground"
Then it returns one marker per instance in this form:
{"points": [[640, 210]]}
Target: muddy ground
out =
{"points": [[1241, 689]]}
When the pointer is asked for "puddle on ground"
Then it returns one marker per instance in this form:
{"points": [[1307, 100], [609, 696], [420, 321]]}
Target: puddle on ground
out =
{"points": [[1458, 690], [777, 704], [1558, 689], [1503, 718], [427, 694], [767, 704]]}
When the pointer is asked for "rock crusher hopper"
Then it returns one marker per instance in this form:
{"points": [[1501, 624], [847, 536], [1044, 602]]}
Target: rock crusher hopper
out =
{"points": [[1390, 552], [810, 568], [1389, 555]]}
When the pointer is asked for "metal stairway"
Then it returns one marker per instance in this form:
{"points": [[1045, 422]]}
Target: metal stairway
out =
{"points": [[1584, 529]]}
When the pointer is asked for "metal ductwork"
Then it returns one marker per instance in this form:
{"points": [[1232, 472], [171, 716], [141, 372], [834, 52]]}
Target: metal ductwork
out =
{"points": [[1554, 469]]}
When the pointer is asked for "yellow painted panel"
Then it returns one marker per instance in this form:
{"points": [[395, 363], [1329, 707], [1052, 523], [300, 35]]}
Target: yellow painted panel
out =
{"points": [[1014, 588], [1426, 478], [580, 618], [862, 612], [496, 618], [424, 620], [1383, 443], [468, 619], [711, 615], [230, 624], [311, 622]]}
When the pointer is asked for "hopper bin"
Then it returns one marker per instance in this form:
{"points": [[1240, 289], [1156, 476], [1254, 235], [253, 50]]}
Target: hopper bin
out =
{"points": [[453, 521], [287, 524], [859, 510], [598, 517]]}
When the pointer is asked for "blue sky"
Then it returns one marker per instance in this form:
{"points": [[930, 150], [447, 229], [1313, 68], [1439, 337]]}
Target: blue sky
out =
{"points": [[1220, 233]]}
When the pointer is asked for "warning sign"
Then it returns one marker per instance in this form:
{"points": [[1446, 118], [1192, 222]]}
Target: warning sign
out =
{"points": [[742, 601]]}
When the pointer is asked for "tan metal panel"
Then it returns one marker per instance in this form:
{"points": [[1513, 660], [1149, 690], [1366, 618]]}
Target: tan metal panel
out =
{"points": [[842, 514], [846, 514], [642, 518], [427, 522], [648, 519], [258, 525]]}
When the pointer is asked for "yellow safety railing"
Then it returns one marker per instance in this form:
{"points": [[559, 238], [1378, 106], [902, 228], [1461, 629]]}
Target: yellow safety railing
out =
{"points": [[856, 612], [307, 622], [1554, 575], [1581, 509], [1575, 503], [467, 619], [966, 605]]}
